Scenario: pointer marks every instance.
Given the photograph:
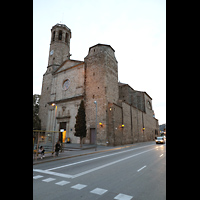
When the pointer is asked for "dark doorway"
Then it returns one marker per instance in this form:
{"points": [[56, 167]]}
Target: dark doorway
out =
{"points": [[62, 126], [92, 136]]}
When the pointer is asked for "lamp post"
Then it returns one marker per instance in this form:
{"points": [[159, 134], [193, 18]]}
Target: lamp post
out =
{"points": [[53, 104], [96, 127], [143, 126]]}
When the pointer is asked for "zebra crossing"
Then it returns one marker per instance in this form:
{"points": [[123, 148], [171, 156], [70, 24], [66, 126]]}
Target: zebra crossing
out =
{"points": [[97, 191]]}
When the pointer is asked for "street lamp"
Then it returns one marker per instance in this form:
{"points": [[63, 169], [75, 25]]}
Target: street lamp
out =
{"points": [[53, 104], [96, 127]]}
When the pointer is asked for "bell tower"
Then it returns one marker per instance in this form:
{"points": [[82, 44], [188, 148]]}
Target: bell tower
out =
{"points": [[60, 46], [58, 53]]}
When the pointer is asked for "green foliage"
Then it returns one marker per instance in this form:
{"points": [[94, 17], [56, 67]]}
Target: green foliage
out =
{"points": [[80, 126]]}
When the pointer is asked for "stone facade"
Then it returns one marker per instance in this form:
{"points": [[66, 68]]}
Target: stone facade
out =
{"points": [[101, 85], [124, 115]]}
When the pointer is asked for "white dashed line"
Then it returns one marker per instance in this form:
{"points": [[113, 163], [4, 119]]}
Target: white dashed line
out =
{"points": [[121, 196], [141, 168], [98, 191], [38, 176], [79, 186], [49, 179], [62, 183], [108, 164]]}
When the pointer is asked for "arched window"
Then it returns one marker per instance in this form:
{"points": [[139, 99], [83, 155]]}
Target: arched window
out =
{"points": [[60, 35], [53, 36]]}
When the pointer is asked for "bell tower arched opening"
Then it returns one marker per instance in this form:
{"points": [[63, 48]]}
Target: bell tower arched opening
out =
{"points": [[60, 35], [60, 45]]}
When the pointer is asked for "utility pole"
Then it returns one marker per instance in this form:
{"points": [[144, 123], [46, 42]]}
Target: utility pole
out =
{"points": [[96, 128]]}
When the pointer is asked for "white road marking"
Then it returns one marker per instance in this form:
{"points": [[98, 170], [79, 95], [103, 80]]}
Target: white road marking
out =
{"points": [[161, 155], [98, 191], [53, 173], [38, 176], [91, 170], [49, 179], [121, 196], [62, 183], [98, 157], [108, 164], [141, 168], [79, 186]]}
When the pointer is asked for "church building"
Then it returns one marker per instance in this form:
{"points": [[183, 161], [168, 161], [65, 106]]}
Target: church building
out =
{"points": [[124, 115]]}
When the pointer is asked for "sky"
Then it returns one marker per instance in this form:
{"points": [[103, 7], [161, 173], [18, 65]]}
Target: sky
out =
{"points": [[136, 30]]}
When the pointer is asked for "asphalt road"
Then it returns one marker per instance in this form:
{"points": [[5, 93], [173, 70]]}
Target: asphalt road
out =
{"points": [[137, 173]]}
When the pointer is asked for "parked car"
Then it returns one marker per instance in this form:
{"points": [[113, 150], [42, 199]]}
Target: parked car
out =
{"points": [[160, 140]]}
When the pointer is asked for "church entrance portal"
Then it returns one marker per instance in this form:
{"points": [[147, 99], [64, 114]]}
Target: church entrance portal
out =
{"points": [[62, 126]]}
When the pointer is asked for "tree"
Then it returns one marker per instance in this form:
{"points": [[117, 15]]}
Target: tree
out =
{"points": [[36, 119], [80, 126]]}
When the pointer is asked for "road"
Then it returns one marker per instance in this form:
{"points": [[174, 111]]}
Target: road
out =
{"points": [[137, 172]]}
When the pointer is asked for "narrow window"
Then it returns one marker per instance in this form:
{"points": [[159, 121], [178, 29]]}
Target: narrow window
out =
{"points": [[60, 35], [53, 37]]}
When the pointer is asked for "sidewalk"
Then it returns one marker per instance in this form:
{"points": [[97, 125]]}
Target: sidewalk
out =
{"points": [[74, 150]]}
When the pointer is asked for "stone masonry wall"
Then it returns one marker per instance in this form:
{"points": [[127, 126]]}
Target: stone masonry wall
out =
{"points": [[101, 85], [133, 121], [45, 98]]}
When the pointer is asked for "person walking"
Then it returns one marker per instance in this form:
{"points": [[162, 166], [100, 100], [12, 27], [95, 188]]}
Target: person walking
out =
{"points": [[57, 148]]}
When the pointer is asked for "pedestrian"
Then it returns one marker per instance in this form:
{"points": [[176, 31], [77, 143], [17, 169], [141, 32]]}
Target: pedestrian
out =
{"points": [[41, 150], [57, 147]]}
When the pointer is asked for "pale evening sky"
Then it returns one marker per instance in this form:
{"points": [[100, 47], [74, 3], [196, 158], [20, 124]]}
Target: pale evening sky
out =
{"points": [[136, 30]]}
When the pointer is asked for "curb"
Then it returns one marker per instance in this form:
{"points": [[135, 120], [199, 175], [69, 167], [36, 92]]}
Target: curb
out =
{"points": [[66, 157]]}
